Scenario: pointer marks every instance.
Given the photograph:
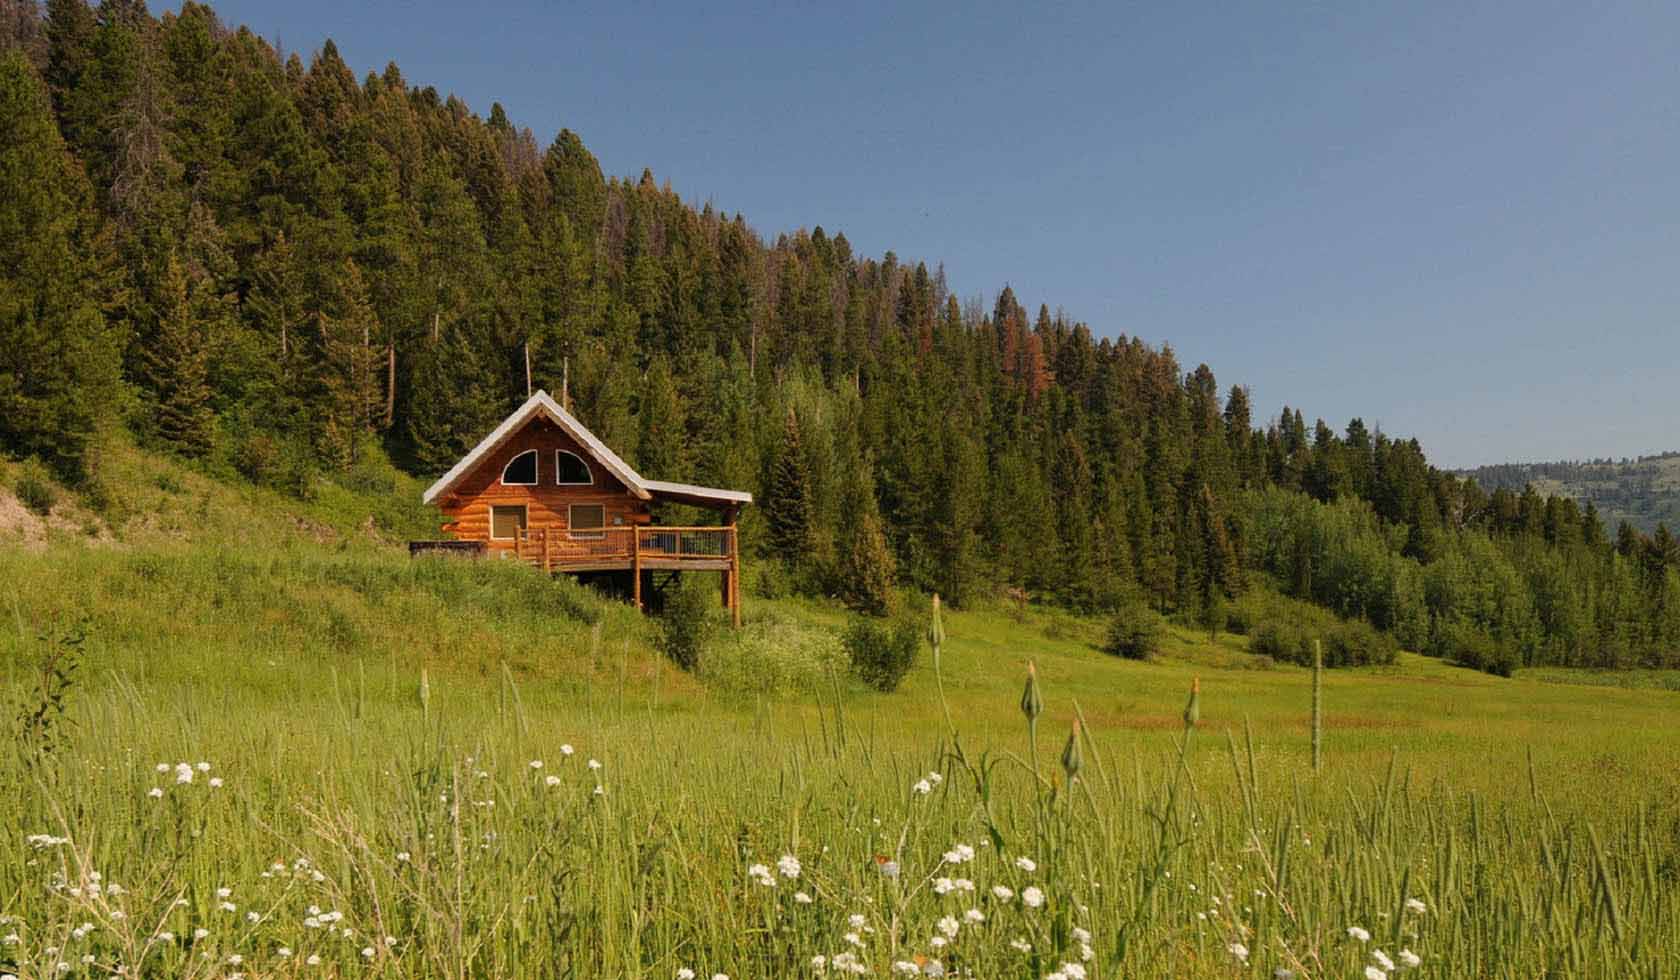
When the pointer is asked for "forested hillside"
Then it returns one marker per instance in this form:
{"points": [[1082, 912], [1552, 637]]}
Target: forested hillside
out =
{"points": [[1644, 492], [291, 275]]}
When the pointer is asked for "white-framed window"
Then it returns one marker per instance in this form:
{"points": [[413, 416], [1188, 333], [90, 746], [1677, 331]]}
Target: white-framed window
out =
{"points": [[570, 470], [521, 470], [586, 522], [506, 521]]}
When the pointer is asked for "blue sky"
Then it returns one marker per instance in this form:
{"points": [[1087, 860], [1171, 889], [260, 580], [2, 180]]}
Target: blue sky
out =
{"points": [[1456, 220]]}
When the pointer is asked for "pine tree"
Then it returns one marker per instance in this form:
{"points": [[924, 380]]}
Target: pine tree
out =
{"points": [[662, 447], [176, 368], [867, 567], [787, 499], [59, 358]]}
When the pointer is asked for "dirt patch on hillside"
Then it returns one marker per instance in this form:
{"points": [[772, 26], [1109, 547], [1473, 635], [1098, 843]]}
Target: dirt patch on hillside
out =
{"points": [[23, 527]]}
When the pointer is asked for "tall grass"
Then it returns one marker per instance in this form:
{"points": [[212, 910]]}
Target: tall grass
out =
{"points": [[449, 851]]}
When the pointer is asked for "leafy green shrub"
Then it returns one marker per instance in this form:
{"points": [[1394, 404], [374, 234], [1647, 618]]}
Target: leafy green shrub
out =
{"points": [[1468, 646], [1356, 643], [35, 487], [1134, 632], [686, 625], [1281, 641], [882, 654], [773, 656], [257, 458]]}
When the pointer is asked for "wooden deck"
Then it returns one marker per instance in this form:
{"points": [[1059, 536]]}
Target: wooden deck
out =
{"points": [[619, 549], [639, 549]]}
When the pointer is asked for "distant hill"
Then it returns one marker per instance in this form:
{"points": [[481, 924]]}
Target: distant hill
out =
{"points": [[1644, 492]]}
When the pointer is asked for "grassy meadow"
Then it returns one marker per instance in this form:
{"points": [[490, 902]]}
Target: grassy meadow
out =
{"points": [[274, 746]]}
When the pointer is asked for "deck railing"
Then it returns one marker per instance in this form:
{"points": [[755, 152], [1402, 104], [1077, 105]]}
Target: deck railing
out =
{"points": [[551, 547]]}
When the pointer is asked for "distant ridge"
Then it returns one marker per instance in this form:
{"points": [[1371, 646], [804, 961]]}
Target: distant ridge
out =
{"points": [[1644, 492]]}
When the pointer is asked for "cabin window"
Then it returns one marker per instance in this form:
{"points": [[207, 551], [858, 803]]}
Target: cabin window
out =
{"points": [[521, 470], [570, 470], [587, 521], [506, 522]]}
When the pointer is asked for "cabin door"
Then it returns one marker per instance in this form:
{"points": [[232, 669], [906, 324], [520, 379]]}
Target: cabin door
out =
{"points": [[506, 521]]}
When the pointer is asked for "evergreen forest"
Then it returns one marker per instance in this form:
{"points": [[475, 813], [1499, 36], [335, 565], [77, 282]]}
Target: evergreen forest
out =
{"points": [[254, 260]]}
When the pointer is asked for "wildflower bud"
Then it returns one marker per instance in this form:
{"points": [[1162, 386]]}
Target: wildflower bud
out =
{"points": [[1032, 705], [1193, 710], [936, 631], [1072, 754]]}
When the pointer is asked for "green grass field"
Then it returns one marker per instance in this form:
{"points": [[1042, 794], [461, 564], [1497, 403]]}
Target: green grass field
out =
{"points": [[374, 727]]}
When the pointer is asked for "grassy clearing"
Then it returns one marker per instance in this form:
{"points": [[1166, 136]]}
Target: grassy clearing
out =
{"points": [[373, 723]]}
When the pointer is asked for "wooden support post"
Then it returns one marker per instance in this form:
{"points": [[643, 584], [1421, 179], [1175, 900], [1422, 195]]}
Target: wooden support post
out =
{"points": [[548, 554], [636, 566], [734, 575]]}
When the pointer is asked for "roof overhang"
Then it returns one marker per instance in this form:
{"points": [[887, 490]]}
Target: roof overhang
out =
{"points": [[540, 404], [701, 496]]}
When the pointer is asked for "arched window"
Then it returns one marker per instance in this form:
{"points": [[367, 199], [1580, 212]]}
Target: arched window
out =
{"points": [[521, 470], [571, 470]]}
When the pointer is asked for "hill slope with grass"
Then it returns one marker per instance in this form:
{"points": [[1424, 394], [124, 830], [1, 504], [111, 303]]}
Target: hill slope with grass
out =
{"points": [[243, 720]]}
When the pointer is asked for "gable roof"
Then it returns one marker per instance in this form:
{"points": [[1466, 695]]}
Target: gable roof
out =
{"points": [[541, 404]]}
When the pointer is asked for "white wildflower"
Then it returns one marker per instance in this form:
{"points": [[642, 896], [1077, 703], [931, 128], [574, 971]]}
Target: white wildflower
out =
{"points": [[762, 875], [183, 773], [201, 934], [551, 780], [944, 886], [535, 763], [215, 782], [974, 915], [802, 898], [367, 952], [959, 854], [595, 764], [949, 926], [566, 750], [1415, 905], [155, 793], [1381, 959], [1355, 932], [283, 952], [685, 974], [922, 787], [1074, 971], [1003, 893], [889, 869], [1020, 945], [788, 865], [1239, 951], [1410, 960], [1081, 934], [1026, 863], [1372, 973], [1032, 896]]}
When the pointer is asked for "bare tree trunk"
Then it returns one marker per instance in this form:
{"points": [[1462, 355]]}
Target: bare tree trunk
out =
{"points": [[390, 384]]}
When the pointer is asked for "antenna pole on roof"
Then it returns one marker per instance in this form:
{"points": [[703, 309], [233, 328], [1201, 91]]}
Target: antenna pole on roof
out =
{"points": [[566, 383], [527, 368]]}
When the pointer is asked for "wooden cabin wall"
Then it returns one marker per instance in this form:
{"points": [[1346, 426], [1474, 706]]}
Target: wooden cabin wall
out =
{"points": [[466, 508]]}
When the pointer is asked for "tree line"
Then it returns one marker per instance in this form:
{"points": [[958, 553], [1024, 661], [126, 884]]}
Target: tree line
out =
{"points": [[276, 268]]}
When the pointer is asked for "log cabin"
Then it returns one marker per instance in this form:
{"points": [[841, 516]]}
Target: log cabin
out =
{"points": [[541, 488]]}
